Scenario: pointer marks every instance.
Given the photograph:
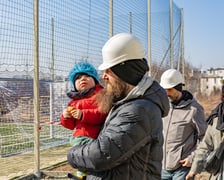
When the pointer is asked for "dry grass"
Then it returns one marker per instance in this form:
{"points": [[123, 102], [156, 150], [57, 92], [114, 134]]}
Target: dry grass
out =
{"points": [[209, 103]]}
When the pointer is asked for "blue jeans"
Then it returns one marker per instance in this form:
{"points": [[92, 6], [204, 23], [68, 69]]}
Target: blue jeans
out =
{"points": [[177, 174]]}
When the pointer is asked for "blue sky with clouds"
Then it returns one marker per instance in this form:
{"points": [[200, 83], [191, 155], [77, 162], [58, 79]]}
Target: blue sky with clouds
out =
{"points": [[204, 32]]}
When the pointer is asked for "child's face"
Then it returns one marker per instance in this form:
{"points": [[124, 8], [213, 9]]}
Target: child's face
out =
{"points": [[84, 82]]}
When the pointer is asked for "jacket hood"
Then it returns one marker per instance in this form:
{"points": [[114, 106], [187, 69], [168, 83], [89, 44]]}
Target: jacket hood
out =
{"points": [[151, 90], [186, 99]]}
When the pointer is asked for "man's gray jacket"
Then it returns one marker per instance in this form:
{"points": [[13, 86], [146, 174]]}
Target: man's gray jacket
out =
{"points": [[210, 142], [183, 128]]}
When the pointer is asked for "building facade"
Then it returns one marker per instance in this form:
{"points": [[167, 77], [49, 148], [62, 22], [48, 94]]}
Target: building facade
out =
{"points": [[211, 81]]}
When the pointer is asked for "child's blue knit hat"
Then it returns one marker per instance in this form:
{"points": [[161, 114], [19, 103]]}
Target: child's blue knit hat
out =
{"points": [[83, 68]]}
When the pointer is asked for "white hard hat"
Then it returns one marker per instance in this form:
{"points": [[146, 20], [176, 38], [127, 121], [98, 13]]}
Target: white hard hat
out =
{"points": [[120, 48], [170, 78]]}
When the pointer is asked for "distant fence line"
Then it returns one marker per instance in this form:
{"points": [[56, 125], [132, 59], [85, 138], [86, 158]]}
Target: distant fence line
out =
{"points": [[70, 31]]}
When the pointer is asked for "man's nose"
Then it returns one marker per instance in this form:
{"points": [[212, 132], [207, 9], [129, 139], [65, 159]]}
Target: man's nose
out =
{"points": [[105, 76]]}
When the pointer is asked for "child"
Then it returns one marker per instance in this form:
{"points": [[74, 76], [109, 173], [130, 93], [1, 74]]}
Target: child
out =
{"points": [[82, 113]]}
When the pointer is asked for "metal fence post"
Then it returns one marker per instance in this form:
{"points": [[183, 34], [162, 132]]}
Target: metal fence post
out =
{"points": [[36, 90]]}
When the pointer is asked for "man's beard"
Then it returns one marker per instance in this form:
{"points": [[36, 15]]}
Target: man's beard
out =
{"points": [[106, 98]]}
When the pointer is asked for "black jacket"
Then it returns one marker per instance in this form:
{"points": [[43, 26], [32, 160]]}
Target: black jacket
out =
{"points": [[129, 146]]}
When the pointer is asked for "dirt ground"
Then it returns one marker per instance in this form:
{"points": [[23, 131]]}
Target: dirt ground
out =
{"points": [[209, 103]]}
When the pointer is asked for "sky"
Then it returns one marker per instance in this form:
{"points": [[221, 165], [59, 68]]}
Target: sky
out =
{"points": [[203, 32]]}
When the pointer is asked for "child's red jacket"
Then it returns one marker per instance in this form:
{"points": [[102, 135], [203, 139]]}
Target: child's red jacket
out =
{"points": [[92, 119]]}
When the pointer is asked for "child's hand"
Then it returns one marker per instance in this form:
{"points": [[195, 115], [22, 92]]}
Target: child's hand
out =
{"points": [[76, 113], [66, 113]]}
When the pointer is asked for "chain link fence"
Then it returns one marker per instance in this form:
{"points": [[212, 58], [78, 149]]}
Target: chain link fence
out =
{"points": [[69, 31]]}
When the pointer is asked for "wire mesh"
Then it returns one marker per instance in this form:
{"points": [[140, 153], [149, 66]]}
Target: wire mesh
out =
{"points": [[69, 31]]}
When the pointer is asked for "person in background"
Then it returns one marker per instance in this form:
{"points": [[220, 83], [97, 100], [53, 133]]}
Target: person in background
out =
{"points": [[213, 137], [129, 147], [82, 114], [183, 128]]}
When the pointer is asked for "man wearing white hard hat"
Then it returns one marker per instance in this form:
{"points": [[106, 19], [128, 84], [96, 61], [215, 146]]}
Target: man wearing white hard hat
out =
{"points": [[183, 128], [129, 146]]}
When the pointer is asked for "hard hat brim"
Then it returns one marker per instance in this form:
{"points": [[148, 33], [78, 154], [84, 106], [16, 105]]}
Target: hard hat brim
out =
{"points": [[165, 86], [105, 66]]}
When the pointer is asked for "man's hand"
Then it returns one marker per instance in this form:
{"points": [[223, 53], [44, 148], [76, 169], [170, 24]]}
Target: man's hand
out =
{"points": [[185, 162], [190, 175]]}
